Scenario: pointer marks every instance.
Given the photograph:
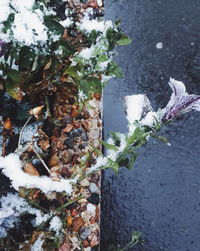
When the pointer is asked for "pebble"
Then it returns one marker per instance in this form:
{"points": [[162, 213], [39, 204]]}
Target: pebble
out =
{"points": [[77, 224], [87, 249], [76, 2], [94, 198], [84, 183], [91, 208], [85, 232], [84, 136], [94, 134], [68, 128], [94, 188], [69, 143], [68, 119], [85, 244], [100, 3]]}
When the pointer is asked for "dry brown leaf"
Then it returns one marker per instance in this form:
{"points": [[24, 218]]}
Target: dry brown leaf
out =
{"points": [[30, 169], [7, 124]]}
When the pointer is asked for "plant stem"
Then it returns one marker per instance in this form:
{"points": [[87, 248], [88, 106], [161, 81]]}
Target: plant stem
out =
{"points": [[21, 133], [69, 203], [40, 158]]}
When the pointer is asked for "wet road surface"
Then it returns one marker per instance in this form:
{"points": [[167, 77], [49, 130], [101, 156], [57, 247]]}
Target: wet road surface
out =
{"points": [[160, 197]]}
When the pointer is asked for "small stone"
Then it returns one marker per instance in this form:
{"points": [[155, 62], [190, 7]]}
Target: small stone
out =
{"points": [[85, 126], [100, 3], [84, 136], [76, 2], [84, 1], [97, 95], [94, 241], [53, 161], [69, 143], [76, 124], [75, 133], [94, 198], [88, 249], [78, 223], [65, 247], [74, 212], [91, 208], [67, 119], [84, 183], [85, 232], [82, 201], [94, 188], [85, 244], [92, 220], [68, 128], [66, 173], [94, 134]]}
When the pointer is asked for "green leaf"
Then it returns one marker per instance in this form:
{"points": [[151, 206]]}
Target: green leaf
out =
{"points": [[132, 159], [53, 25], [26, 58], [90, 85], [93, 36], [96, 150], [124, 41], [113, 165], [109, 146], [13, 82], [114, 70], [72, 71]]}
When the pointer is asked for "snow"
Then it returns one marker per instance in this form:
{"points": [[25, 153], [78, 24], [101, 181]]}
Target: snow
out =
{"points": [[20, 206], [150, 119], [136, 107], [87, 53], [28, 27], [37, 246], [159, 45], [12, 167], [5, 10], [55, 225], [66, 23], [88, 25]]}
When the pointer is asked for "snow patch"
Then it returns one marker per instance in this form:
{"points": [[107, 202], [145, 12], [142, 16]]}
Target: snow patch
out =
{"points": [[12, 167], [55, 225]]}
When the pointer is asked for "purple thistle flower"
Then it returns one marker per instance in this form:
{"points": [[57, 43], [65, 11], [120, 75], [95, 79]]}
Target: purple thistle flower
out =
{"points": [[180, 102], [3, 47]]}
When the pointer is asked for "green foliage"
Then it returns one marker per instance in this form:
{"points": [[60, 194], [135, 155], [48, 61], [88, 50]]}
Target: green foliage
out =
{"points": [[135, 240]]}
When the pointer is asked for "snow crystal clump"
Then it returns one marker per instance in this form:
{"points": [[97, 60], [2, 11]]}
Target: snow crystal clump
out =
{"points": [[55, 225], [12, 167], [37, 246], [137, 107], [15, 206]]}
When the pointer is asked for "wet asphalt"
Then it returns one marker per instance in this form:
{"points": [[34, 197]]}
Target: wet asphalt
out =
{"points": [[160, 196]]}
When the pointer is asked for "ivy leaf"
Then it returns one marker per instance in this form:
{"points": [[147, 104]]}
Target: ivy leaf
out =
{"points": [[93, 36], [114, 70], [72, 71], [53, 25], [13, 82], [90, 85], [124, 40], [109, 146]]}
